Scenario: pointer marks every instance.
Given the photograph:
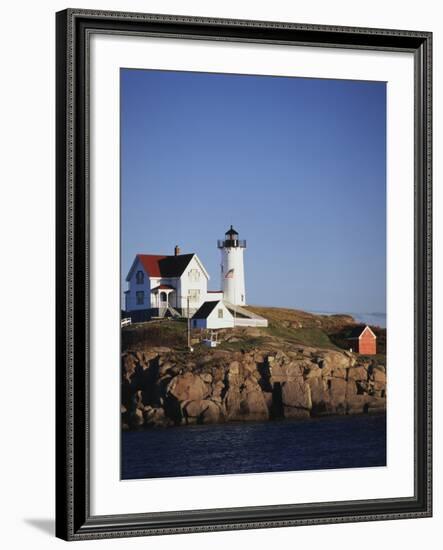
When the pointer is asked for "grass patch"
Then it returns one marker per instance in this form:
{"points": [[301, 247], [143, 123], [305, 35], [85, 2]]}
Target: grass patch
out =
{"points": [[286, 326], [168, 333], [241, 345], [313, 337], [309, 336]]}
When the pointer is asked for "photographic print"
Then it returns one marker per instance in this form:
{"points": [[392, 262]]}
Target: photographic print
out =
{"points": [[253, 274], [243, 212]]}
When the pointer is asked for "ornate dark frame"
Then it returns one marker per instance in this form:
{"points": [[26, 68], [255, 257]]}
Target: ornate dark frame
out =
{"points": [[74, 520]]}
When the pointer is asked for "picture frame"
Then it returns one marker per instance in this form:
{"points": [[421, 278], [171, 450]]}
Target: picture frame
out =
{"points": [[74, 519]]}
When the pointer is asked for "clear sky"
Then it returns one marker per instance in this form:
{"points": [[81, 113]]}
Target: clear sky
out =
{"points": [[298, 166]]}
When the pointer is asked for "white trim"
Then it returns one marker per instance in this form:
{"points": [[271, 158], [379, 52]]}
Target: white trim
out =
{"points": [[367, 327], [130, 272], [206, 274]]}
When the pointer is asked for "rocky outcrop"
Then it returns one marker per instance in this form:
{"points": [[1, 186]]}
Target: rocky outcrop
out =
{"points": [[162, 387], [188, 387]]}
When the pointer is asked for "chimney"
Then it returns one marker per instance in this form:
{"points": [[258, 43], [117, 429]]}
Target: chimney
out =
{"points": [[176, 250]]}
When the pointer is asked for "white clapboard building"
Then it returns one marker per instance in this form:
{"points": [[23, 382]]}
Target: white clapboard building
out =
{"points": [[213, 315], [177, 286], [160, 286]]}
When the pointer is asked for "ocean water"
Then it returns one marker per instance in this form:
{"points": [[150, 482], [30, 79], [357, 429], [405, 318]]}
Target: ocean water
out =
{"points": [[312, 444], [377, 319]]}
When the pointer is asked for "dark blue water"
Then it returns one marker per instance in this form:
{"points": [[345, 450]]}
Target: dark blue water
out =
{"points": [[323, 443]]}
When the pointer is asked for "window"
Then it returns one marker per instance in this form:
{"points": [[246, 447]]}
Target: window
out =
{"points": [[242, 297], [163, 296], [194, 275], [220, 313], [194, 295], [140, 297], [140, 277]]}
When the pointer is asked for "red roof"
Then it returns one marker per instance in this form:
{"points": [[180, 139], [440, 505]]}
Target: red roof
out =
{"points": [[150, 263], [357, 332], [164, 266]]}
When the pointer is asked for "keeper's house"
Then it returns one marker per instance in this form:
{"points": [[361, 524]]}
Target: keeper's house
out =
{"points": [[363, 340], [161, 286], [213, 315]]}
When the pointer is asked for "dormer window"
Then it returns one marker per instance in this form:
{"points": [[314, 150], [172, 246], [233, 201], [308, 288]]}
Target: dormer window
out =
{"points": [[194, 275], [139, 277]]}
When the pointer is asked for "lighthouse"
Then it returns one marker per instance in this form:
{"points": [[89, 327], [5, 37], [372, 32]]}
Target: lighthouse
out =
{"points": [[232, 270]]}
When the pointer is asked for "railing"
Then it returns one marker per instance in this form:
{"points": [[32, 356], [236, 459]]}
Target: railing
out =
{"points": [[162, 310], [174, 312], [231, 243]]}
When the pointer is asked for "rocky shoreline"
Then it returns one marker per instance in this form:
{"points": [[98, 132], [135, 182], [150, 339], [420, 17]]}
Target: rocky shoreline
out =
{"points": [[164, 387]]}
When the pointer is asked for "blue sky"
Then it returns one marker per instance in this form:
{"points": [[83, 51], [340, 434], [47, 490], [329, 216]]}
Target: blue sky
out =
{"points": [[298, 166]]}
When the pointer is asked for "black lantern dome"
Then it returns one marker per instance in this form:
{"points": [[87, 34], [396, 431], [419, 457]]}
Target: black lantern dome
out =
{"points": [[231, 240], [231, 233]]}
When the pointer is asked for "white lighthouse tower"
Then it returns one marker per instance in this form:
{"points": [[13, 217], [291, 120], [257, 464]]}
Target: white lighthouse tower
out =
{"points": [[232, 270]]}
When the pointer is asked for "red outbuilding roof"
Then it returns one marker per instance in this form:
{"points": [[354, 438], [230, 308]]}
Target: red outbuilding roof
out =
{"points": [[357, 332]]}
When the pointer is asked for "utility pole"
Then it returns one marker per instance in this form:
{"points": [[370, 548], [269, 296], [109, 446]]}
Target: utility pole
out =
{"points": [[189, 326]]}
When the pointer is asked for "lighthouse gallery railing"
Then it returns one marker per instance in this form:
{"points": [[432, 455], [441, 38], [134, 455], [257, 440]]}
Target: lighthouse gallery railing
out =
{"points": [[235, 243]]}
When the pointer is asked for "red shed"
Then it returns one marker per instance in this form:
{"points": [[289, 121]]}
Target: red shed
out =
{"points": [[363, 340]]}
